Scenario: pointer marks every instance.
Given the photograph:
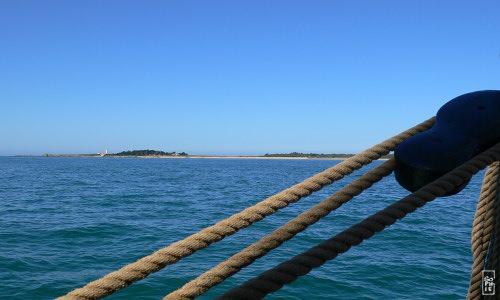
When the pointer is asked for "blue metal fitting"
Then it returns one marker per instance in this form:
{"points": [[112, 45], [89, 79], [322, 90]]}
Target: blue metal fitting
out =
{"points": [[464, 127]]}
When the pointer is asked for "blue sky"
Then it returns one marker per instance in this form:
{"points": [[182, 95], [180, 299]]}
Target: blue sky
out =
{"points": [[234, 77]]}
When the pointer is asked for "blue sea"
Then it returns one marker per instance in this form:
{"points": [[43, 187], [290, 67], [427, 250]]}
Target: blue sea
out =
{"points": [[65, 221]]}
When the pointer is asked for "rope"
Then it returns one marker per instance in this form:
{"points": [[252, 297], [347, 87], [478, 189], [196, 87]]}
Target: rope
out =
{"points": [[247, 256], [158, 260], [288, 271], [481, 231], [492, 261]]}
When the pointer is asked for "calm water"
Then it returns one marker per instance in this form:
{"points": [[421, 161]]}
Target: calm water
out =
{"points": [[67, 221]]}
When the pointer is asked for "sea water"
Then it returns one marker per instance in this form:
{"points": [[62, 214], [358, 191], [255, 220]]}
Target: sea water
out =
{"points": [[67, 221]]}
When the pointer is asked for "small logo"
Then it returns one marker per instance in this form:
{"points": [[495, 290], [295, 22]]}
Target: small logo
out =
{"points": [[488, 287]]}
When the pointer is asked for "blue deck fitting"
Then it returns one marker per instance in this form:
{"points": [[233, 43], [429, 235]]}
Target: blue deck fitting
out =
{"points": [[464, 127]]}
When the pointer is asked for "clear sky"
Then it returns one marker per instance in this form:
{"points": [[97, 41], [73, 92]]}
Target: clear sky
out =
{"points": [[234, 77]]}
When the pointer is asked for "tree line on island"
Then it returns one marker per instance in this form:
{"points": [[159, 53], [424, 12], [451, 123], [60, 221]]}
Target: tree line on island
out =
{"points": [[308, 155], [149, 153], [316, 155], [292, 154]]}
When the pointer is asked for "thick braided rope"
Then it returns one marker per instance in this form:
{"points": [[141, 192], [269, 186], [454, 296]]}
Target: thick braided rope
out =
{"points": [[247, 256], [492, 261], [481, 230], [287, 272], [156, 261]]}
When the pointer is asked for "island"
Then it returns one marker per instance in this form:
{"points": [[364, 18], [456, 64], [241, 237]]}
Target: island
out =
{"points": [[308, 155], [318, 156], [148, 153], [164, 154]]}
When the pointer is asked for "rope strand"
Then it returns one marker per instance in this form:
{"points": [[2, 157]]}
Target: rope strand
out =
{"points": [[288, 271], [158, 260], [482, 227], [247, 256], [492, 260]]}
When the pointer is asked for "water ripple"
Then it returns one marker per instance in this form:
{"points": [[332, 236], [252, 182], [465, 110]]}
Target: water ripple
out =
{"points": [[67, 221]]}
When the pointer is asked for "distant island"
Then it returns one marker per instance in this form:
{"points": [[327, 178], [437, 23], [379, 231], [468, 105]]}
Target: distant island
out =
{"points": [[308, 155], [163, 154], [316, 155], [148, 153]]}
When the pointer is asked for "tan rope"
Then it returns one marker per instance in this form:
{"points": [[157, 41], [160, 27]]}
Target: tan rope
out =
{"points": [[493, 256], [247, 256], [482, 228], [154, 262], [287, 272]]}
